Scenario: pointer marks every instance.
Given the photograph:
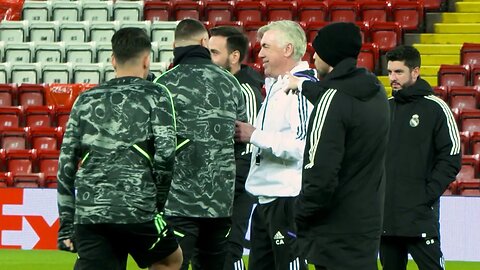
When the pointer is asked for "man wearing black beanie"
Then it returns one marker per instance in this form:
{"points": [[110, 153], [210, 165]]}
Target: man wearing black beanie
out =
{"points": [[339, 210]]}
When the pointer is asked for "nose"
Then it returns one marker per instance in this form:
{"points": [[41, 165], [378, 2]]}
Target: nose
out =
{"points": [[261, 53], [392, 77]]}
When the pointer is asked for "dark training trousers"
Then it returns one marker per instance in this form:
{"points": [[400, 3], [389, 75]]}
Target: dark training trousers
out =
{"points": [[204, 238], [425, 252], [273, 239]]}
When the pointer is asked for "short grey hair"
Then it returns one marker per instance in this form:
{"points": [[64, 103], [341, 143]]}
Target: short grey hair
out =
{"points": [[292, 33]]}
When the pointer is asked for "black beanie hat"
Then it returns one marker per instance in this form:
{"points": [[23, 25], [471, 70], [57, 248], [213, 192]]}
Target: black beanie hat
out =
{"points": [[338, 41]]}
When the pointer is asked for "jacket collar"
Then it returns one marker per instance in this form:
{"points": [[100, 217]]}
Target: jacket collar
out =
{"points": [[193, 54], [417, 90]]}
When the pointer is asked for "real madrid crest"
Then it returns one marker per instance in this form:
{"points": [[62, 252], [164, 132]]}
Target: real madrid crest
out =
{"points": [[415, 121]]}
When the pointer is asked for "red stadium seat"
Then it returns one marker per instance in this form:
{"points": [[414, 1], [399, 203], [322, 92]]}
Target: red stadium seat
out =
{"points": [[157, 10], [454, 75], [369, 57], [60, 95], [387, 35], [61, 116], [31, 94], [278, 10], [474, 143], [188, 10], [44, 138], [409, 14], [7, 94], [250, 11], [251, 29], [14, 138], [308, 56], [20, 161], [374, 11], [6, 179], [10, 117], [441, 92], [312, 30], [475, 74], [312, 11], [343, 11], [38, 116], [48, 165], [435, 5], [464, 97], [470, 120], [470, 54], [465, 141], [469, 168], [28, 180], [236, 24], [219, 11]]}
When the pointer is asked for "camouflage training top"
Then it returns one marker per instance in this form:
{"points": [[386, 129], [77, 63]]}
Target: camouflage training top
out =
{"points": [[117, 154], [207, 101]]}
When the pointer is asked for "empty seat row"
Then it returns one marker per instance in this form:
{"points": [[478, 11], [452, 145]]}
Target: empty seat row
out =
{"points": [[408, 13], [64, 72], [33, 116], [468, 177], [82, 10], [459, 75], [459, 97], [28, 168], [70, 52], [27, 95], [40, 138], [80, 31]]}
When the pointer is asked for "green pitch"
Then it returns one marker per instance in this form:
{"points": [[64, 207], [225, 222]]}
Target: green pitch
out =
{"points": [[59, 260]]}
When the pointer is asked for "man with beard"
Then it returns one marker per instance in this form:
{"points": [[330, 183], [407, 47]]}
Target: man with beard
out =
{"points": [[228, 47], [423, 158], [339, 210]]}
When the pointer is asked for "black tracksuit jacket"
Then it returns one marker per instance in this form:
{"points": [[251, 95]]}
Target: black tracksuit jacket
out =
{"points": [[343, 175], [423, 158]]}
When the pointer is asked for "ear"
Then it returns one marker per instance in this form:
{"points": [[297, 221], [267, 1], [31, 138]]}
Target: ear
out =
{"points": [[114, 62], [234, 57], [204, 42], [146, 61], [288, 50], [415, 73]]}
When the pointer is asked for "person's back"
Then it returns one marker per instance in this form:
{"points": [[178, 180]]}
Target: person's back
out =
{"points": [[339, 210], [116, 165], [361, 173], [112, 121], [208, 100]]}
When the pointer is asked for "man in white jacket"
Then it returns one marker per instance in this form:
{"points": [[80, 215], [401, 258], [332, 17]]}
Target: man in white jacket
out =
{"points": [[279, 141]]}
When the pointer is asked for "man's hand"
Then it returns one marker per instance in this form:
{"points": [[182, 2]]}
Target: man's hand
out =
{"points": [[67, 245], [291, 84], [243, 132]]}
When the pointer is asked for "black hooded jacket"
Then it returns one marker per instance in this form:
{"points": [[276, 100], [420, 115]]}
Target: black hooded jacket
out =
{"points": [[423, 158], [252, 83], [343, 174]]}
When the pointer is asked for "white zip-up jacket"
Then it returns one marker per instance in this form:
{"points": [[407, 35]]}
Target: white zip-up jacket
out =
{"points": [[279, 140]]}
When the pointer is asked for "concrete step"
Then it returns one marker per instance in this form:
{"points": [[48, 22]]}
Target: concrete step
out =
{"points": [[457, 28], [467, 6], [439, 59], [445, 49], [429, 70], [449, 38], [455, 17]]}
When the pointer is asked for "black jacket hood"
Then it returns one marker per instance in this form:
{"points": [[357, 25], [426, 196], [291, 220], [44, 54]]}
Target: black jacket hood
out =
{"points": [[356, 82], [417, 90], [193, 54]]}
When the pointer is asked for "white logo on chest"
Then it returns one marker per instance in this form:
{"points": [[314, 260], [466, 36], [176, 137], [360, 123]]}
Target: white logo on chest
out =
{"points": [[415, 121]]}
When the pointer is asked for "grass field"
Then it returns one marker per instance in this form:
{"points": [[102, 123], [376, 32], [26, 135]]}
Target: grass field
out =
{"points": [[59, 260]]}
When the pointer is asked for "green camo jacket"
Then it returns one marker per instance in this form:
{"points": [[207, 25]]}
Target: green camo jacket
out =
{"points": [[117, 154], [208, 100]]}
